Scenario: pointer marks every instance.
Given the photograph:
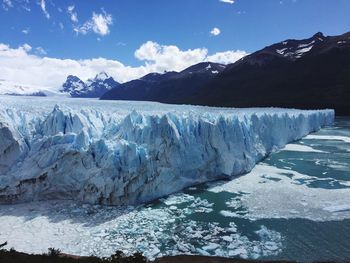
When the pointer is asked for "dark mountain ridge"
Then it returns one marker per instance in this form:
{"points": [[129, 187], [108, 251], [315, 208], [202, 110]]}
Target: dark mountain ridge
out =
{"points": [[317, 78], [312, 73], [170, 87]]}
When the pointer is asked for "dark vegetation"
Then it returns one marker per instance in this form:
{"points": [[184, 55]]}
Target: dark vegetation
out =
{"points": [[55, 256]]}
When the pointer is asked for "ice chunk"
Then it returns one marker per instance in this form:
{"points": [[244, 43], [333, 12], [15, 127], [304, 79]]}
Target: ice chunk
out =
{"points": [[328, 137], [272, 198], [337, 208], [300, 148]]}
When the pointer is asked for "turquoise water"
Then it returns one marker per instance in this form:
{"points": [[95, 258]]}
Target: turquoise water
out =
{"points": [[303, 212], [295, 205]]}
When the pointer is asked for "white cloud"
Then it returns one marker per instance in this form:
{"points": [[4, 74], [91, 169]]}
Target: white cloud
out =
{"points": [[241, 12], [215, 31], [99, 23], [27, 8], [43, 8], [159, 58], [25, 4], [21, 65], [25, 31], [121, 44], [7, 4], [228, 1], [26, 47], [72, 13], [227, 57], [40, 51]]}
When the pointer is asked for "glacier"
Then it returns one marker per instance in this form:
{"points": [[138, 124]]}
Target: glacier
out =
{"points": [[122, 152]]}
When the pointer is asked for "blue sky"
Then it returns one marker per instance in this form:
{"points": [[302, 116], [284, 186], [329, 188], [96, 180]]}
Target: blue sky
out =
{"points": [[115, 29], [246, 24]]}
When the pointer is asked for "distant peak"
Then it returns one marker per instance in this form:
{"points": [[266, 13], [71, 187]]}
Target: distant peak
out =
{"points": [[151, 76], [319, 34], [101, 76], [72, 78]]}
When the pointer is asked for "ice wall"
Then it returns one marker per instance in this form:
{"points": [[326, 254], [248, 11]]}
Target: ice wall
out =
{"points": [[132, 152]]}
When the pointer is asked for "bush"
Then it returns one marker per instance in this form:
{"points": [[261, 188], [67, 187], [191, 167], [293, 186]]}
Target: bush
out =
{"points": [[3, 244], [120, 257], [52, 252]]}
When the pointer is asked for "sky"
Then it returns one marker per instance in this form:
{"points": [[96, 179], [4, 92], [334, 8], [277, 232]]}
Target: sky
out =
{"points": [[43, 41]]}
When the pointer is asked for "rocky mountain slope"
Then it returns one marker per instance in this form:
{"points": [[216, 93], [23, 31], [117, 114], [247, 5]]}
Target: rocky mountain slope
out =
{"points": [[92, 88], [311, 73], [170, 87], [307, 74]]}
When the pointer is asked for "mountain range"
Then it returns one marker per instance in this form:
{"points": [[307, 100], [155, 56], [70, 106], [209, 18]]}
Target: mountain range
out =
{"points": [[92, 88], [311, 73], [170, 87]]}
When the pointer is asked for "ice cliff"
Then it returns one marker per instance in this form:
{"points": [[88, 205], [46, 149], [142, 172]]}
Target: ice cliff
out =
{"points": [[130, 152]]}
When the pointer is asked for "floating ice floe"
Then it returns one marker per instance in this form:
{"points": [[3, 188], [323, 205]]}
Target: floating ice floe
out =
{"points": [[328, 137], [301, 148], [266, 197], [97, 230]]}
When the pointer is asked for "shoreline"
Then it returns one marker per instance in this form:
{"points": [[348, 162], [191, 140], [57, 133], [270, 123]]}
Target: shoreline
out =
{"points": [[13, 256]]}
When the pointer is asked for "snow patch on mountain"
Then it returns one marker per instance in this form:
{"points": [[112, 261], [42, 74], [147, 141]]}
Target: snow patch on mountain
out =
{"points": [[281, 51], [300, 52], [295, 49], [295, 53], [306, 45]]}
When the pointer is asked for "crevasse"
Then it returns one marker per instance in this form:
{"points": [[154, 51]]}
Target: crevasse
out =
{"points": [[132, 152]]}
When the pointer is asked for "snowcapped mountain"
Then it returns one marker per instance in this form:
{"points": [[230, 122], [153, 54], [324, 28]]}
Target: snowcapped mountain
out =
{"points": [[73, 85], [293, 49], [312, 73], [92, 88], [289, 49], [170, 87], [19, 89]]}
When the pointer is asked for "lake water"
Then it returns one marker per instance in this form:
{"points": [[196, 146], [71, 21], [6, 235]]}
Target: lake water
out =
{"points": [[295, 205]]}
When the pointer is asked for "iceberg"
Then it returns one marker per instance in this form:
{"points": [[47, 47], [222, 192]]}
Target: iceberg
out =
{"points": [[122, 152]]}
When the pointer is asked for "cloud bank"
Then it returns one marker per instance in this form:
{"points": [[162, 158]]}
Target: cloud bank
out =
{"points": [[25, 65]]}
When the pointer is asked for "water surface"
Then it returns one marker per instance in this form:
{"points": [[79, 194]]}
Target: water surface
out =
{"points": [[295, 205]]}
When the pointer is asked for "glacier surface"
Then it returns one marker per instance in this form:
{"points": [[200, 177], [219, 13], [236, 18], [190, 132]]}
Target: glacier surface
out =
{"points": [[121, 152]]}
